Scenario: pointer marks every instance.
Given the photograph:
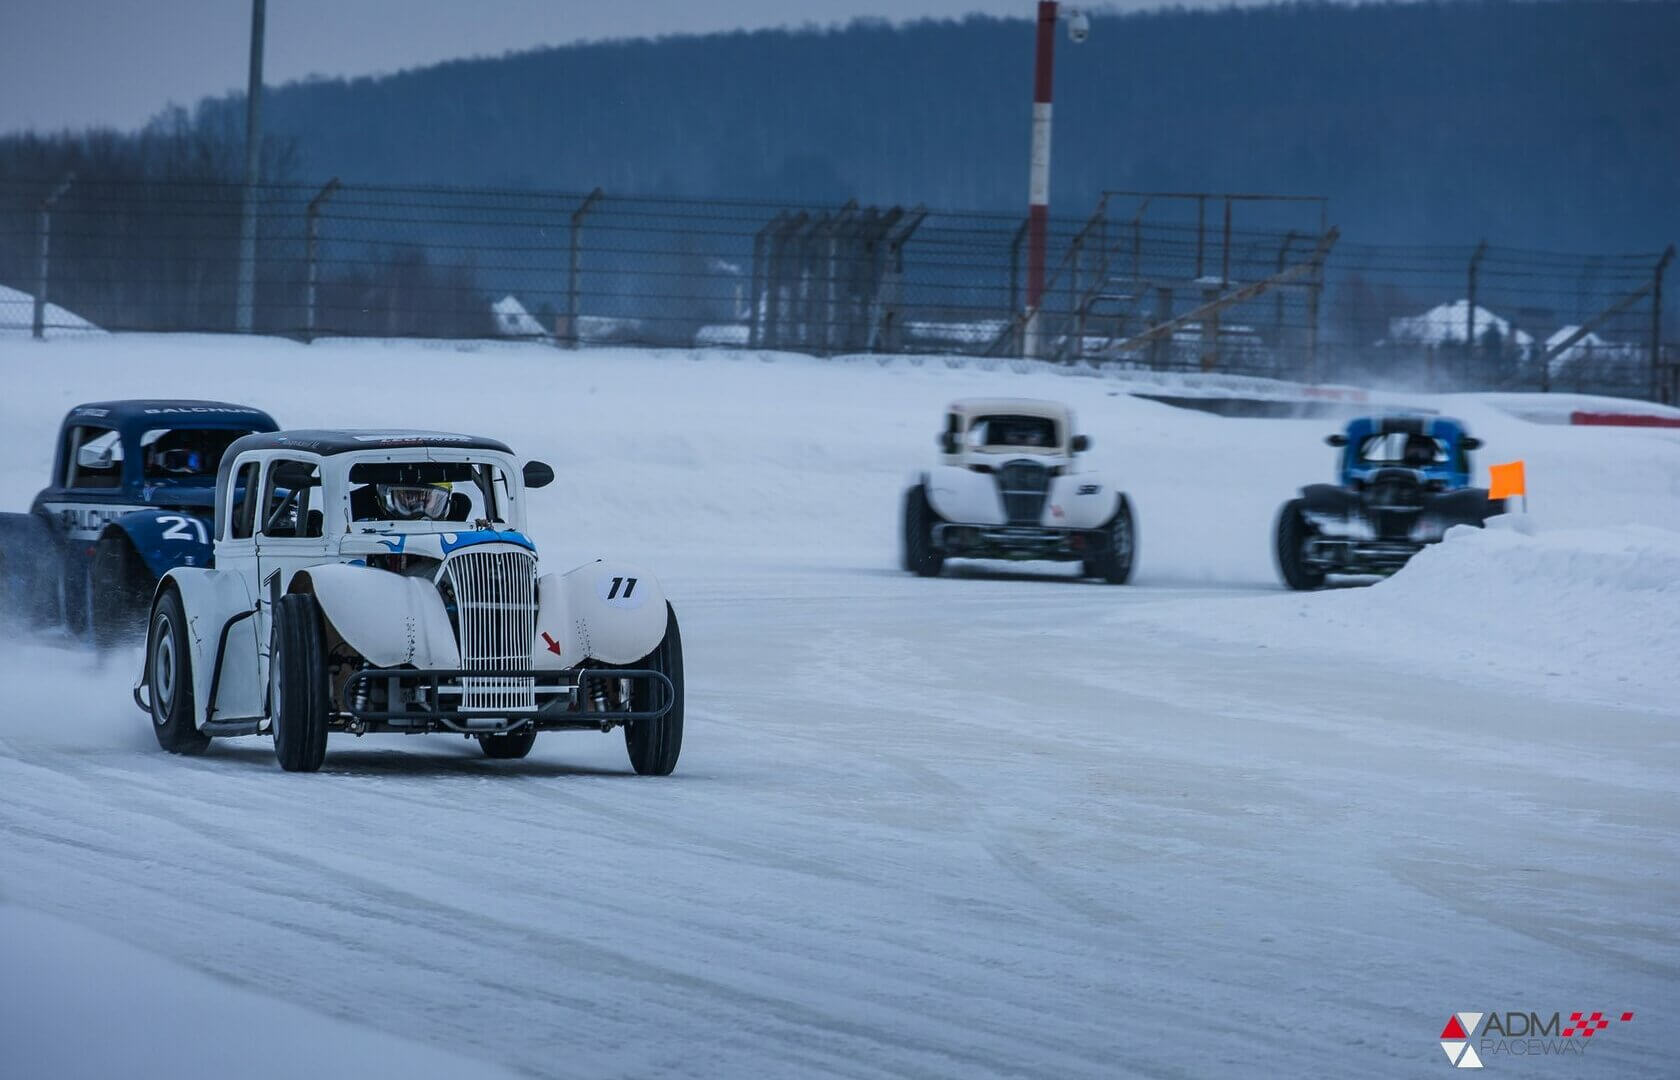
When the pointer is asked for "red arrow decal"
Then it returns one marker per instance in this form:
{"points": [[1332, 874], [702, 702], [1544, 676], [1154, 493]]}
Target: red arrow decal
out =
{"points": [[553, 646]]}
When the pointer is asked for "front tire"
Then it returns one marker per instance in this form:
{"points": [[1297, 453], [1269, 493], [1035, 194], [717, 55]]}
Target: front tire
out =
{"points": [[169, 675], [920, 556], [508, 747], [655, 744], [1293, 534], [297, 684], [1113, 563]]}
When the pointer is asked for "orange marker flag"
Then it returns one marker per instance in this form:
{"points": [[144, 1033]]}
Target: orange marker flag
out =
{"points": [[1507, 480]]}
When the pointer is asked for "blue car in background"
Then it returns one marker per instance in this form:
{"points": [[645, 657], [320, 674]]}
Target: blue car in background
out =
{"points": [[1402, 483], [130, 497]]}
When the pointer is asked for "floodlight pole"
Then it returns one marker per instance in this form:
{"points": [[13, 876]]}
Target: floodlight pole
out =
{"points": [[1038, 178], [253, 166]]}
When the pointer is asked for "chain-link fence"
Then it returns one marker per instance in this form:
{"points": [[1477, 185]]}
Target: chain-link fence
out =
{"points": [[1140, 281]]}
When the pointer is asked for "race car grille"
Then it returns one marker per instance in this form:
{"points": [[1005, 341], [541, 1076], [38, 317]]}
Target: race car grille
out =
{"points": [[1024, 486], [496, 605]]}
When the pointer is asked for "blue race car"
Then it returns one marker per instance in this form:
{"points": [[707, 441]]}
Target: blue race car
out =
{"points": [[1403, 482], [130, 497]]}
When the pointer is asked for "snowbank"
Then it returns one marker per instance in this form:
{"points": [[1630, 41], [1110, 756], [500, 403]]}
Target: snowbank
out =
{"points": [[1573, 613], [75, 1004]]}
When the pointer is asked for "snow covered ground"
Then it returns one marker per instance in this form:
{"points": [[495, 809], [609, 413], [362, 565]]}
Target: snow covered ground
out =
{"points": [[998, 823]]}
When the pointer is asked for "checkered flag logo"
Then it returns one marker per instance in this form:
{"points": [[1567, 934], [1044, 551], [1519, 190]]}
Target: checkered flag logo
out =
{"points": [[1455, 1040]]}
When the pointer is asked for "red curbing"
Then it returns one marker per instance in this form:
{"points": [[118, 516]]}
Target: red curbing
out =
{"points": [[1606, 419]]}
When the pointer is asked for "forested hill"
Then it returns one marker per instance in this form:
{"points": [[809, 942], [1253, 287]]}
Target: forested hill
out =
{"points": [[1550, 125]]}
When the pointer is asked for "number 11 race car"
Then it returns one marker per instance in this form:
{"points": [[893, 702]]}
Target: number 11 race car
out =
{"points": [[382, 581]]}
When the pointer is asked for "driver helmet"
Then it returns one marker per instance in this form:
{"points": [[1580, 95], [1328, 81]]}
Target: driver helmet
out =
{"points": [[414, 502], [1420, 450], [164, 458]]}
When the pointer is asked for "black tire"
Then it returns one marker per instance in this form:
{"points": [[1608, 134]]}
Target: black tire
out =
{"points": [[297, 684], [169, 678], [119, 592], [74, 604], [1113, 563], [655, 744], [1293, 532], [508, 747], [920, 556]]}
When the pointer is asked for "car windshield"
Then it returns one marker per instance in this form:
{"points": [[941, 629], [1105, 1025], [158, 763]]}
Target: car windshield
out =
{"points": [[423, 491], [1012, 431], [1400, 448], [188, 455]]}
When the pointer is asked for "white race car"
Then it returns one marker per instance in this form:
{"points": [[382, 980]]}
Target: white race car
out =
{"points": [[382, 581], [1009, 486]]}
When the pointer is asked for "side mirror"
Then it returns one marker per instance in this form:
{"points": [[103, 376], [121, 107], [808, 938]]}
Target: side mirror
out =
{"points": [[948, 442], [94, 457], [1470, 442], [1337, 439], [1081, 443], [537, 474]]}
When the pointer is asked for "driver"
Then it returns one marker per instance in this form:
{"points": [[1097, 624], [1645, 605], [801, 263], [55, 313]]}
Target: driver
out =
{"points": [[400, 502], [169, 456], [1419, 452]]}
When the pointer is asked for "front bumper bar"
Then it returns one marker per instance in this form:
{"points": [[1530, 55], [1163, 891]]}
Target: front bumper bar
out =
{"points": [[1014, 542], [429, 698]]}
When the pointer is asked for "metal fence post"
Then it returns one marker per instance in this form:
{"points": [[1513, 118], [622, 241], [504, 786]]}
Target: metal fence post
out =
{"points": [[571, 336], [312, 255], [1015, 281], [43, 253], [1470, 310], [1282, 261], [1656, 322]]}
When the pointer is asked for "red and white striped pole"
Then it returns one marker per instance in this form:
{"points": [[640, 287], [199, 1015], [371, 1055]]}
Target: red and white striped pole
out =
{"points": [[1038, 181]]}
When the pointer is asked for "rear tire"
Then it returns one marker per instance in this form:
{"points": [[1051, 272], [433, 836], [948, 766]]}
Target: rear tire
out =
{"points": [[169, 675], [920, 556], [1293, 532], [654, 745], [508, 747], [119, 588], [1113, 563], [297, 684]]}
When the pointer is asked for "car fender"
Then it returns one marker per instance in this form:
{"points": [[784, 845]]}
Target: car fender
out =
{"points": [[210, 598], [1466, 506], [608, 611], [165, 539], [388, 618], [31, 559], [1083, 501], [1328, 499], [962, 495]]}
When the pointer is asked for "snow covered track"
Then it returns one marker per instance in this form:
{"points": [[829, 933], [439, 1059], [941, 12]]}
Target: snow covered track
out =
{"points": [[999, 824]]}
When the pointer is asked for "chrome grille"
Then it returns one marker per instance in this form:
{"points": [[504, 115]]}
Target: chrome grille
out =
{"points": [[1024, 486], [496, 613]]}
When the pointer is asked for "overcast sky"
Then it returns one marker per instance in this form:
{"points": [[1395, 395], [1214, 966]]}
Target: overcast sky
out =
{"points": [[82, 62]]}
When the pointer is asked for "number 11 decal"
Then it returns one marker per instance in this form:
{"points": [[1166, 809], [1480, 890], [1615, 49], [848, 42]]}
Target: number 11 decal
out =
{"points": [[629, 587]]}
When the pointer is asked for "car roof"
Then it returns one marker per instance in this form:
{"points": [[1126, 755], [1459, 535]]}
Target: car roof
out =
{"points": [[327, 443], [169, 412], [1440, 427], [1054, 410]]}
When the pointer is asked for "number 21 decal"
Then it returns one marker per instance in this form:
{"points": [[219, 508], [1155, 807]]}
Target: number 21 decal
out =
{"points": [[184, 528]]}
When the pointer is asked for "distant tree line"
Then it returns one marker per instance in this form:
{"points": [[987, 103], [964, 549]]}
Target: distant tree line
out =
{"points": [[1546, 125]]}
